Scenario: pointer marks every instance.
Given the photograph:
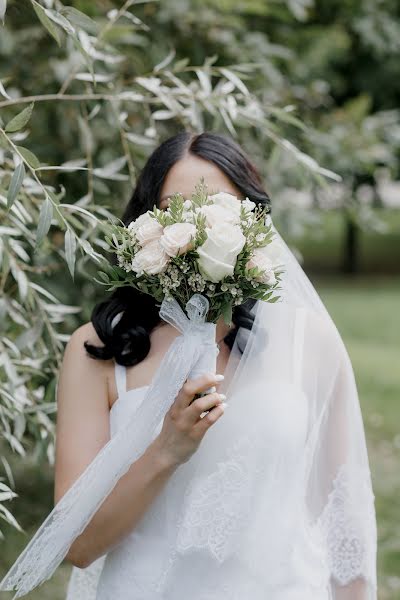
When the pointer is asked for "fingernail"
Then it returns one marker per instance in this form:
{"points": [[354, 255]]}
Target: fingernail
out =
{"points": [[222, 396], [224, 405], [219, 377], [212, 389]]}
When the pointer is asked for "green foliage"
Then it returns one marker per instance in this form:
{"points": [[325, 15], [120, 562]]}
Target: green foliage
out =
{"points": [[20, 120], [108, 84]]}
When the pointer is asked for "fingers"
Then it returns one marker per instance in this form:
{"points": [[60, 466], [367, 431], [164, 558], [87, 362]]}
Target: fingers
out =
{"points": [[200, 428], [195, 386], [200, 405]]}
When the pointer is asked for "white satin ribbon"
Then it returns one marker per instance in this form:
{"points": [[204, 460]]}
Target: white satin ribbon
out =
{"points": [[191, 353]]}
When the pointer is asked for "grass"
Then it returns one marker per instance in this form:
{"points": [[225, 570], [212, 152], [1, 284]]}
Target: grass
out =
{"points": [[365, 311]]}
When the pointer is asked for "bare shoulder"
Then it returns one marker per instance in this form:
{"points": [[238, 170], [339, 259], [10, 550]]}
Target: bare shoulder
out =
{"points": [[86, 332], [75, 345], [78, 360]]}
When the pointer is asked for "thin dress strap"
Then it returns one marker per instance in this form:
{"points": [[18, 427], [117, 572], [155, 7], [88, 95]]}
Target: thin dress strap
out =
{"points": [[120, 378]]}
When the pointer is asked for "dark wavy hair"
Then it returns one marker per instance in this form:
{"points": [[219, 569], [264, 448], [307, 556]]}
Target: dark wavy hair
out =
{"points": [[128, 340]]}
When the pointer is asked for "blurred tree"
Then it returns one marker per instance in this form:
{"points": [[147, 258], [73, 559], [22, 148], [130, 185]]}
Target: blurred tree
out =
{"points": [[86, 92]]}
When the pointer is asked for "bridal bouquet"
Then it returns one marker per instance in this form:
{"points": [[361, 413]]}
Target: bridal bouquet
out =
{"points": [[215, 245]]}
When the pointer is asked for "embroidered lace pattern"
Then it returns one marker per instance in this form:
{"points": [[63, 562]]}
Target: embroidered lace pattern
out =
{"points": [[347, 525], [207, 522]]}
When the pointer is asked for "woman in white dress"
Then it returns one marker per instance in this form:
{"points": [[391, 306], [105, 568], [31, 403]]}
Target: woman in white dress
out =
{"points": [[269, 497], [139, 343]]}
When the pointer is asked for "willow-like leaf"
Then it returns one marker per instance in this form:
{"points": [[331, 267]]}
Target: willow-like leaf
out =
{"points": [[30, 158], [20, 120], [70, 251], [3, 8], [45, 216], [15, 184], [51, 27]]}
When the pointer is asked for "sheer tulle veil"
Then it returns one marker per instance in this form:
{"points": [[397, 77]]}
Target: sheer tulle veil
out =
{"points": [[281, 482]]}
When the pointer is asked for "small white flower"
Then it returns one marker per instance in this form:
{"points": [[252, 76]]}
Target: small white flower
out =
{"points": [[248, 205]]}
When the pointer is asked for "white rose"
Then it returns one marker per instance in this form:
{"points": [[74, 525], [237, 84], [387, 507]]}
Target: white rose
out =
{"points": [[227, 201], [218, 254], [218, 214], [148, 232], [178, 238], [141, 220], [151, 259], [267, 259]]}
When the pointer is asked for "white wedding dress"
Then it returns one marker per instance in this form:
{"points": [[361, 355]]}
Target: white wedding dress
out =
{"points": [[142, 567], [277, 501]]}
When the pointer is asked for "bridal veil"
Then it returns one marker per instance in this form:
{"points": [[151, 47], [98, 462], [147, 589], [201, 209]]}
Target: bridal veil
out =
{"points": [[281, 482]]}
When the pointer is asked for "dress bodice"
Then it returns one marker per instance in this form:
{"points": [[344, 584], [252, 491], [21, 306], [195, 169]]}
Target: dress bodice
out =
{"points": [[84, 583], [143, 565], [127, 571], [124, 406]]}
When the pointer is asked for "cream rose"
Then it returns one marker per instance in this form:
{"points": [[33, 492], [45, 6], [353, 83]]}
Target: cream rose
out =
{"points": [[151, 259], [227, 201], [141, 220], [218, 254], [178, 238], [218, 214], [149, 231], [267, 259]]}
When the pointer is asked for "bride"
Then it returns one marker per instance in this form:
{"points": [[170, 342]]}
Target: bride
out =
{"points": [[256, 482]]}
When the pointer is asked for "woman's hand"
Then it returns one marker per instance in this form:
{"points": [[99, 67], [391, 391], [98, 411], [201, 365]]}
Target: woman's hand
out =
{"points": [[183, 427]]}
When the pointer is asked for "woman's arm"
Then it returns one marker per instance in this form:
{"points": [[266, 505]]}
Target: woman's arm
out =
{"points": [[83, 429]]}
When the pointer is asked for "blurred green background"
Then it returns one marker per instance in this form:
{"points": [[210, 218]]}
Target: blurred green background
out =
{"points": [[310, 90]]}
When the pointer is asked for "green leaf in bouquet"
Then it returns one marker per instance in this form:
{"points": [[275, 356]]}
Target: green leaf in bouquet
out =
{"points": [[200, 195], [175, 209], [103, 276], [227, 313]]}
